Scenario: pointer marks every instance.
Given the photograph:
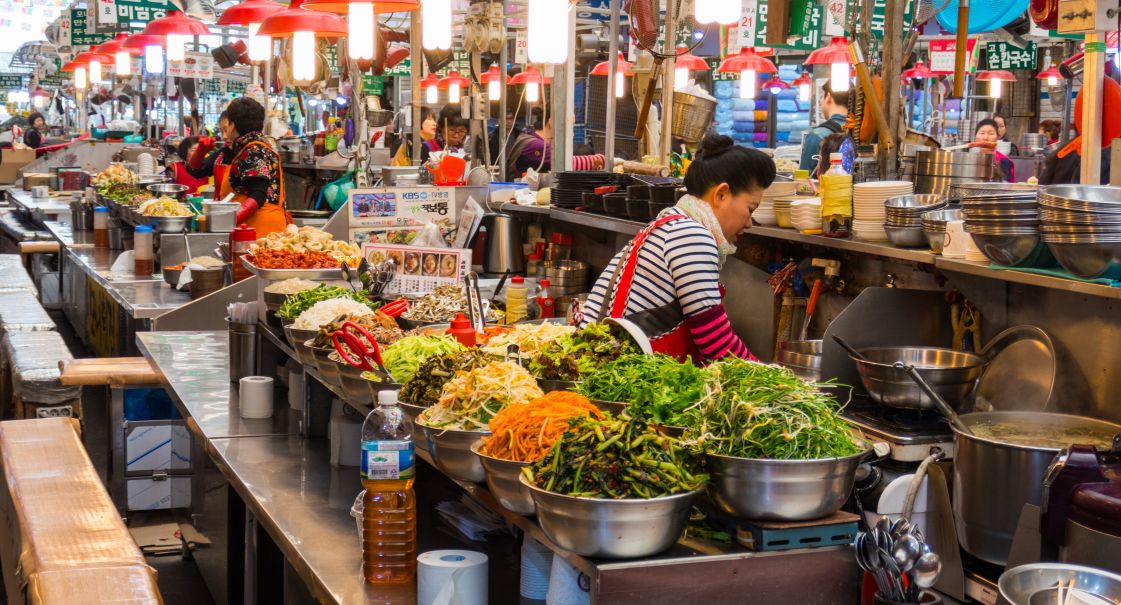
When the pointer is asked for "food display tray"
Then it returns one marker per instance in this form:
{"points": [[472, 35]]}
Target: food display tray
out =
{"points": [[333, 274]]}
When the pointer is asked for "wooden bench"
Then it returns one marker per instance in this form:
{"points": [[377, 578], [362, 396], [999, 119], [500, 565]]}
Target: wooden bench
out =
{"points": [[63, 540]]}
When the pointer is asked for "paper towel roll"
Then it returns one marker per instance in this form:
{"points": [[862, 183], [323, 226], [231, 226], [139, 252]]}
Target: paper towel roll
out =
{"points": [[346, 440], [255, 397], [296, 389], [537, 562], [564, 585], [447, 577]]}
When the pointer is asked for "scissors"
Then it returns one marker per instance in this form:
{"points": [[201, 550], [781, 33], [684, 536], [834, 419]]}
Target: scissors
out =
{"points": [[395, 308], [349, 338]]}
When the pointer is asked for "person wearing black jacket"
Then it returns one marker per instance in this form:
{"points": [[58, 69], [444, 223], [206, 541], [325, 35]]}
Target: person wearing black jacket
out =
{"points": [[33, 138]]}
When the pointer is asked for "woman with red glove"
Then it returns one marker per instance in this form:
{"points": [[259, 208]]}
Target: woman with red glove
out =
{"points": [[254, 175], [206, 161], [179, 172]]}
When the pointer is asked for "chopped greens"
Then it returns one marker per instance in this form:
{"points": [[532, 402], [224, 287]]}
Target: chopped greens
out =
{"points": [[297, 303], [658, 388], [572, 356]]}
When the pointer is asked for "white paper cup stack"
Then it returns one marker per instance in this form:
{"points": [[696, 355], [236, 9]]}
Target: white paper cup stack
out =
{"points": [[537, 563]]}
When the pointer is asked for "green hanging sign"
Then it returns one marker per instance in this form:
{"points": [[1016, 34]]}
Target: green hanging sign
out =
{"points": [[805, 26], [79, 34], [402, 69], [1002, 55], [373, 85], [10, 81]]}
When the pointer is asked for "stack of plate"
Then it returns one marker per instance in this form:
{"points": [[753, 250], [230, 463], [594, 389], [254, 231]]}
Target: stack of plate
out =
{"points": [[904, 218], [805, 214], [765, 213], [1005, 228], [1082, 227], [572, 185], [869, 214]]}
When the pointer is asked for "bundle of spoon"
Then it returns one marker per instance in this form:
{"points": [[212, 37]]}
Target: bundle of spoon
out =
{"points": [[899, 559]]}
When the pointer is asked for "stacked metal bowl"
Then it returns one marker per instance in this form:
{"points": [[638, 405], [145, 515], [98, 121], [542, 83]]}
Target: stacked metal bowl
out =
{"points": [[1082, 227], [1005, 227], [903, 220], [964, 190], [934, 226]]}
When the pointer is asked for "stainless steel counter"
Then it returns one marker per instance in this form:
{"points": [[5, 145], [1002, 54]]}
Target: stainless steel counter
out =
{"points": [[41, 210]]}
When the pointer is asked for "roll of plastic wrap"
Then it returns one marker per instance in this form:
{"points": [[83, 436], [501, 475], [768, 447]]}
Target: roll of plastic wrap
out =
{"points": [[296, 389], [564, 585], [537, 563], [255, 396], [451, 577]]}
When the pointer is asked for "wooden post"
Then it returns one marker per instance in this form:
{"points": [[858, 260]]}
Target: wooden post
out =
{"points": [[892, 70], [1094, 71], [665, 145], [416, 59]]}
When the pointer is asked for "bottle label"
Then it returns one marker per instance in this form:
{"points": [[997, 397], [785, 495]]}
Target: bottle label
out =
{"points": [[387, 460]]}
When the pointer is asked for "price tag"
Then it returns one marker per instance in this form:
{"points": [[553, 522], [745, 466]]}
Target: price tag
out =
{"points": [[943, 52], [106, 12], [746, 27], [521, 48]]}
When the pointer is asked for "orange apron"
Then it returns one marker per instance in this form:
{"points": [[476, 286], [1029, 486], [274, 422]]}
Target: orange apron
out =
{"points": [[269, 218]]}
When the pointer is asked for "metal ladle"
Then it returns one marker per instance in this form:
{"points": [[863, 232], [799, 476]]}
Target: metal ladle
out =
{"points": [[939, 403]]}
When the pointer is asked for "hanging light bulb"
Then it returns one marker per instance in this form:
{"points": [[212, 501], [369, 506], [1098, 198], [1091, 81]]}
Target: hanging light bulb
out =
{"points": [[1052, 80], [176, 47], [95, 71], [680, 77], [260, 47], [80, 78], [303, 56], [532, 92], [431, 84], [724, 12], [747, 84], [547, 34], [994, 88], [494, 90], [453, 93], [436, 17], [360, 38], [123, 65], [153, 59], [620, 84], [839, 77], [804, 83]]}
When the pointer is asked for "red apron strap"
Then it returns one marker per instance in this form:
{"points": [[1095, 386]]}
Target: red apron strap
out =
{"points": [[623, 289]]}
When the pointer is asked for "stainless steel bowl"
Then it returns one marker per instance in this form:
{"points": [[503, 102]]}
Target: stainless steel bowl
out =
{"points": [[274, 301], [952, 374], [169, 224], [1082, 197], [1026, 250], [612, 529], [963, 190], [503, 481], [1081, 229], [781, 490], [374, 388], [297, 338], [1045, 583], [906, 237], [988, 213], [549, 386], [171, 276], [615, 408], [413, 412], [941, 217], [451, 451], [351, 381], [329, 369], [178, 192], [1070, 217], [1088, 257], [807, 367]]}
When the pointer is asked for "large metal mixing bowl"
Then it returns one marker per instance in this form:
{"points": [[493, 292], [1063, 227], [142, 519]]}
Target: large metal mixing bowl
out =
{"points": [[613, 529], [1023, 250], [451, 451], [906, 237], [297, 338], [966, 190], [1038, 583], [503, 481], [1073, 217], [413, 411], [1095, 198], [1086, 256], [803, 357], [329, 369], [351, 381], [781, 490], [952, 374]]}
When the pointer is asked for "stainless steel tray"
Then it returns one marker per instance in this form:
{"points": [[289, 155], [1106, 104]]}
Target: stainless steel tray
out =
{"points": [[334, 274]]}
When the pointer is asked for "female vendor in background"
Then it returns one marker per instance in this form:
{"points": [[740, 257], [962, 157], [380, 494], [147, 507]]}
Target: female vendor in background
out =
{"points": [[669, 284], [254, 175]]}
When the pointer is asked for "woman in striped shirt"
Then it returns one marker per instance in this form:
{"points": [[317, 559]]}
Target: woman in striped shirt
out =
{"points": [[667, 279]]}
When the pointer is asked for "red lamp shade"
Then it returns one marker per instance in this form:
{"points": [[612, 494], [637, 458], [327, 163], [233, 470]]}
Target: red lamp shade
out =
{"points": [[775, 84], [139, 41], [176, 23], [802, 79], [84, 58], [429, 81], [687, 60], [342, 7], [622, 65], [531, 75], [995, 74], [492, 75], [747, 60], [295, 18], [1050, 72], [919, 72], [453, 77], [70, 66], [250, 11], [837, 51], [116, 45]]}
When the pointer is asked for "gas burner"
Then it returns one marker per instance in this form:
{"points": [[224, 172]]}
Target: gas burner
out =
{"points": [[903, 421], [910, 433]]}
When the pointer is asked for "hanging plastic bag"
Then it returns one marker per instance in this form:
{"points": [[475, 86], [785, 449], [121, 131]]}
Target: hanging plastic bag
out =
{"points": [[336, 193], [430, 237]]}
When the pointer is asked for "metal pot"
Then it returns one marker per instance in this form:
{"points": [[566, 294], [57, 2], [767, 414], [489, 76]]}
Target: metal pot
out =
{"points": [[993, 480]]}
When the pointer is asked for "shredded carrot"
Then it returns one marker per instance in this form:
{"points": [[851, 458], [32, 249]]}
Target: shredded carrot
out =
{"points": [[525, 433]]}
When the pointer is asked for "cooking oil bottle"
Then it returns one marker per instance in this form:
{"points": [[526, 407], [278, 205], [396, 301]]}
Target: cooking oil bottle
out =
{"points": [[389, 507], [835, 187]]}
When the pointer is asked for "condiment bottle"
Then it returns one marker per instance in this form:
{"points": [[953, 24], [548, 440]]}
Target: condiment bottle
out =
{"points": [[803, 186], [241, 238], [836, 199], [545, 301], [462, 330], [143, 252], [331, 137], [101, 227], [533, 264], [516, 295]]}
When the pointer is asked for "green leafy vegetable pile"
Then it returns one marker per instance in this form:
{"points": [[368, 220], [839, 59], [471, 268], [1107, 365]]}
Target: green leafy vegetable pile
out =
{"points": [[436, 371], [405, 356], [751, 410], [658, 388], [302, 301], [580, 353], [616, 459]]}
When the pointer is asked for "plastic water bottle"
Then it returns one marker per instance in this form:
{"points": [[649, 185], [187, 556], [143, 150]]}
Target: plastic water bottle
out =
{"points": [[389, 508]]}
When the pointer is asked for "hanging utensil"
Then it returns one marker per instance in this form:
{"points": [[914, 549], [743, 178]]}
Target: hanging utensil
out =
{"points": [[846, 346], [349, 276], [815, 294], [940, 403], [475, 310]]}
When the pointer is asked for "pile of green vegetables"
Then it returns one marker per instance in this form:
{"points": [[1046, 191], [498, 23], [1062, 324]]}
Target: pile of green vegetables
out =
{"points": [[617, 459], [302, 301], [658, 388], [580, 353], [751, 410], [404, 357], [431, 376]]}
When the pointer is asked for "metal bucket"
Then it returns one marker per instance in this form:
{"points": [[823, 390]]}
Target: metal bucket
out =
{"points": [[243, 350], [691, 116]]}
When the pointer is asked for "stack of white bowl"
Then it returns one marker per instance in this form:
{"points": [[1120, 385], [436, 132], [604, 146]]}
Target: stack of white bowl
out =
{"points": [[765, 213], [868, 207], [805, 214]]}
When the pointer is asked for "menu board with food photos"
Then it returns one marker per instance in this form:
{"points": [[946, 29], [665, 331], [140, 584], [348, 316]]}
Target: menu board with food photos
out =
{"points": [[420, 269]]}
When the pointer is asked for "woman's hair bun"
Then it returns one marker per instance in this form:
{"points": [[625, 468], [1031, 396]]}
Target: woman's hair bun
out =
{"points": [[714, 144]]}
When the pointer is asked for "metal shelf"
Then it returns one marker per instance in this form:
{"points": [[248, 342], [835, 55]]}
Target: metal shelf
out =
{"points": [[596, 221], [1029, 279], [925, 257]]}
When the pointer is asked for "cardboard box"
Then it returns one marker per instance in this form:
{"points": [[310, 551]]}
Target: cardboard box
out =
{"points": [[11, 160], [31, 179]]}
